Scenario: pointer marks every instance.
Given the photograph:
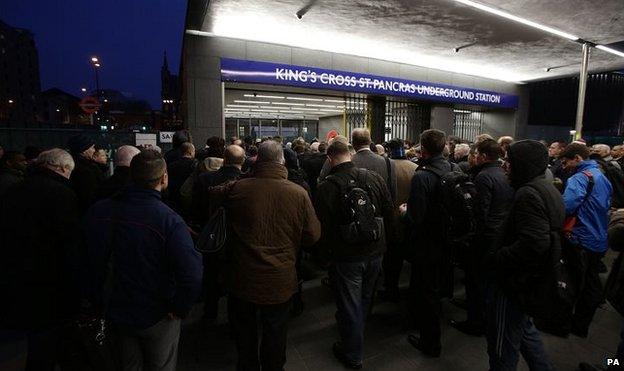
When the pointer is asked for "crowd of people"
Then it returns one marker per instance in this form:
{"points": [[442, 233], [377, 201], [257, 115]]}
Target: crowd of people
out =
{"points": [[81, 244]]}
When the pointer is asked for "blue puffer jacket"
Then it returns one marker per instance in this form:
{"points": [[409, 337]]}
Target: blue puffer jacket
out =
{"points": [[592, 214]]}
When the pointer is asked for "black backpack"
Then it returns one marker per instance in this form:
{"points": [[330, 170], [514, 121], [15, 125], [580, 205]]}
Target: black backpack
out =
{"points": [[458, 194], [214, 234], [358, 224]]}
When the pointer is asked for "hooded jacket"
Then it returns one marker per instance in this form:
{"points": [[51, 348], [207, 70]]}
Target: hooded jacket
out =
{"points": [[535, 219], [591, 211]]}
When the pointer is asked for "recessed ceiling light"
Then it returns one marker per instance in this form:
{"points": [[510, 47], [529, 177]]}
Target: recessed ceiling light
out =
{"points": [[320, 105], [308, 109], [263, 96], [334, 100], [308, 99], [251, 101], [288, 104], [241, 106]]}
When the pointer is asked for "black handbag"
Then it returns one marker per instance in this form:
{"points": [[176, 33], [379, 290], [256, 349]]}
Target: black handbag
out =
{"points": [[214, 234]]}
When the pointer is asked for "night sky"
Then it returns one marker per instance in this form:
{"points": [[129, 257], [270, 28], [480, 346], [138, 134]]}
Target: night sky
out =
{"points": [[129, 37]]}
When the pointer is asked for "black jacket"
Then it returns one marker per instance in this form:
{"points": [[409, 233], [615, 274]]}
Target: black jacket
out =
{"points": [[492, 203], [201, 190], [41, 253], [85, 180], [9, 178], [178, 172], [427, 221], [329, 205], [119, 180], [312, 163], [529, 235]]}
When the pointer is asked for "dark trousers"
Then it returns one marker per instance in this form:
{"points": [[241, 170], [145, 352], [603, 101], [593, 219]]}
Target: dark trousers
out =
{"points": [[48, 347], [244, 319], [591, 294], [511, 332], [475, 288], [212, 288], [392, 266], [354, 284], [153, 349], [425, 301]]}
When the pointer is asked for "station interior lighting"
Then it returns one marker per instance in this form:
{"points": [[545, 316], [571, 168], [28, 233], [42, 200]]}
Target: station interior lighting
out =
{"points": [[263, 96], [251, 101], [461, 111], [94, 59], [10, 101], [610, 50], [512, 17], [308, 99], [83, 89], [58, 110]]}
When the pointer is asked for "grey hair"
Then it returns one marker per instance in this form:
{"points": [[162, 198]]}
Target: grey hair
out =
{"points": [[462, 149], [56, 158], [270, 151], [125, 154]]}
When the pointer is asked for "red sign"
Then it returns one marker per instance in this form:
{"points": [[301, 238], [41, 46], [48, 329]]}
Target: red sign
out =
{"points": [[90, 105]]}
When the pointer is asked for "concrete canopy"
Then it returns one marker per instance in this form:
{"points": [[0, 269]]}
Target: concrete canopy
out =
{"points": [[425, 32]]}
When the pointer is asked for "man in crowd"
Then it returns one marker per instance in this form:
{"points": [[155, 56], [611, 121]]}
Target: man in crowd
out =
{"points": [[365, 158], [393, 259], [121, 176], [270, 219], [178, 172], [535, 216], [605, 153], [39, 269], [12, 168], [355, 266], [312, 163], [156, 275], [505, 142], [462, 150], [233, 159], [179, 137], [491, 206], [554, 153], [428, 250], [587, 197], [87, 176]]}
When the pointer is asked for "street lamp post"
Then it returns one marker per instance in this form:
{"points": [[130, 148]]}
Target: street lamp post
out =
{"points": [[95, 62]]}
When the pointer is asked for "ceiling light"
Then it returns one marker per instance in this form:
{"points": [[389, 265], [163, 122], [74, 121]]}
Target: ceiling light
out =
{"points": [[251, 101], [610, 50], [308, 109], [334, 100], [262, 96], [288, 104], [320, 105], [330, 110], [241, 106], [308, 99], [512, 17], [264, 110], [461, 111]]}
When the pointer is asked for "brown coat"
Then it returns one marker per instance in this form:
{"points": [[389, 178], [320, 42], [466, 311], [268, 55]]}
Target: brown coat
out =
{"points": [[405, 170], [269, 219]]}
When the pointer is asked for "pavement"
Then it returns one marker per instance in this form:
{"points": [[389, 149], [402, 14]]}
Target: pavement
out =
{"points": [[209, 346]]}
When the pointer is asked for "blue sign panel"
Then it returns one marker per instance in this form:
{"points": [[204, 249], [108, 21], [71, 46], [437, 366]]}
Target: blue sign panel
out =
{"points": [[235, 70]]}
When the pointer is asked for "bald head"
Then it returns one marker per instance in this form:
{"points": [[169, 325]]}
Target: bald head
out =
{"points": [[234, 155], [125, 154]]}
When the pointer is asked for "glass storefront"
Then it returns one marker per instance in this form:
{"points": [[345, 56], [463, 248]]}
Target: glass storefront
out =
{"points": [[255, 128]]}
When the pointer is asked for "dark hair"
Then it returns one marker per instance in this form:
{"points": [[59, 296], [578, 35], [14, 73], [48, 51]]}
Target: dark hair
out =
{"points": [[299, 148], [337, 148], [433, 141], [252, 151], [560, 143], [9, 156], [216, 146], [360, 138], [490, 148], [179, 137], [147, 168], [573, 149], [322, 148]]}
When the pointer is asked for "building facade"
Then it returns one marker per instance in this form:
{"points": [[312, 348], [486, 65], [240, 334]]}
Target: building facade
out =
{"points": [[20, 85]]}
